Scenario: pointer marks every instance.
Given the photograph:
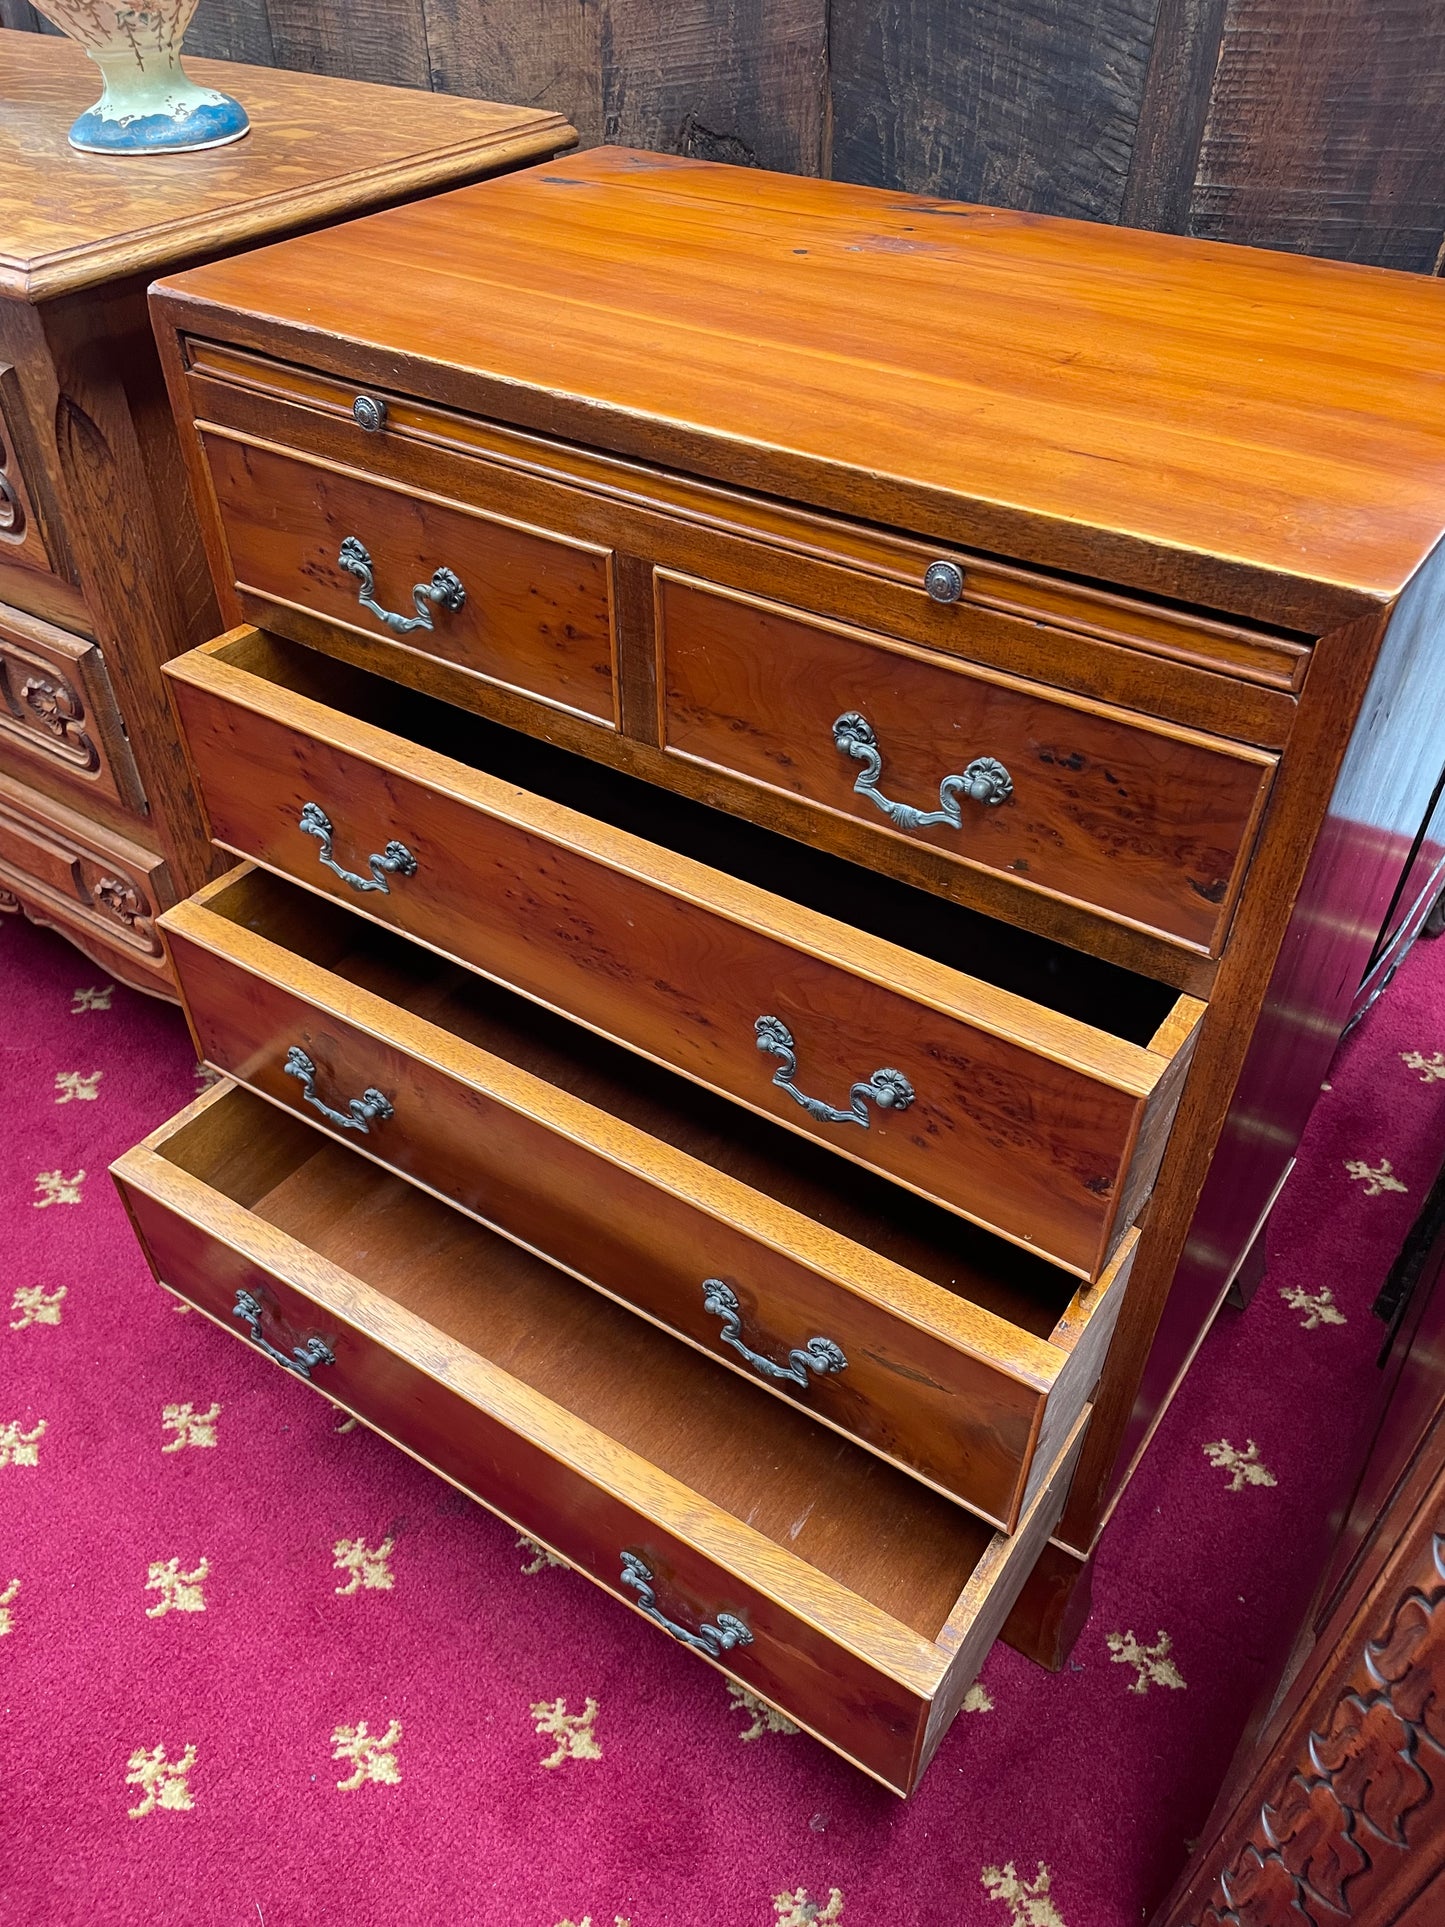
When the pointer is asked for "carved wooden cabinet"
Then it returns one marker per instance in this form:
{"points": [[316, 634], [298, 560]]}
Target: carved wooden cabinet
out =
{"points": [[815, 773], [1334, 1808], [102, 576]]}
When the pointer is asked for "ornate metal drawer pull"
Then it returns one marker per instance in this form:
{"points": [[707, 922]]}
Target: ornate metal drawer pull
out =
{"points": [[712, 1640], [314, 1352], [369, 411], [444, 591], [370, 1106], [984, 780], [819, 1355], [396, 861], [890, 1090]]}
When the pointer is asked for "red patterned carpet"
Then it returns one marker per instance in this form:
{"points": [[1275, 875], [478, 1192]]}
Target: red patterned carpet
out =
{"points": [[259, 1668]]}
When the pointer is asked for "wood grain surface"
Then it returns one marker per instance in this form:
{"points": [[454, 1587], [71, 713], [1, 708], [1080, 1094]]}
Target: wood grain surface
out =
{"points": [[1179, 664], [1183, 60], [1022, 103], [1168, 664], [644, 1186], [98, 533], [709, 77], [845, 1572], [1151, 824], [1346, 159], [59, 722], [1025, 1120], [538, 608], [1320, 120], [30, 534], [101, 889], [1121, 405], [313, 152]]}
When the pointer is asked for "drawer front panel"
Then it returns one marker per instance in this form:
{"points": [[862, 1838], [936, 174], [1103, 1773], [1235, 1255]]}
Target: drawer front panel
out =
{"points": [[93, 883], [535, 612], [1146, 823], [393, 1372], [58, 711], [676, 961], [1101, 875], [857, 571], [640, 1220]]}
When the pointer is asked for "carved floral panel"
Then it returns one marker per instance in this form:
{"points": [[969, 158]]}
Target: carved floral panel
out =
{"points": [[1341, 1840], [57, 707]]}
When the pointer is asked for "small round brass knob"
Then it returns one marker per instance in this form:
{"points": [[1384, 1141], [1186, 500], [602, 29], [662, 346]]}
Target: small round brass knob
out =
{"points": [[944, 581], [370, 412]]}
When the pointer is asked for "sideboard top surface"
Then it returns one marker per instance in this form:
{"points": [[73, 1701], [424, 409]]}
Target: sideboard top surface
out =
{"points": [[1254, 432], [317, 148]]}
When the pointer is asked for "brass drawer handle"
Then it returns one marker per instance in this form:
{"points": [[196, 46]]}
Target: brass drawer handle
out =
{"points": [[984, 780], [712, 1640], [314, 1352], [364, 1110], [369, 412], [445, 590], [396, 861], [819, 1355], [890, 1090]]}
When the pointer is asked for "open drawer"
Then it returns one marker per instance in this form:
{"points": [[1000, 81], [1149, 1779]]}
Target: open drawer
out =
{"points": [[1033, 1096], [961, 1358], [837, 1589]]}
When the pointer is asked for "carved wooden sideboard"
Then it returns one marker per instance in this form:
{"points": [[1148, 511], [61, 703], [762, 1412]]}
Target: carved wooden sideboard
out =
{"points": [[816, 775], [102, 576], [1334, 1809]]}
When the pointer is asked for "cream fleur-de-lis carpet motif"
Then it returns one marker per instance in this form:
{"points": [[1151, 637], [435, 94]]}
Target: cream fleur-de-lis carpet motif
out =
{"points": [[258, 1666]]}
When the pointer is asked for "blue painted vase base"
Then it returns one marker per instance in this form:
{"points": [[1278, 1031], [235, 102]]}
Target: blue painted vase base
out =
{"points": [[212, 124]]}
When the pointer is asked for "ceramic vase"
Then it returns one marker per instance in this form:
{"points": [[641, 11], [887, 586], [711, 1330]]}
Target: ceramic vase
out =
{"points": [[149, 104]]}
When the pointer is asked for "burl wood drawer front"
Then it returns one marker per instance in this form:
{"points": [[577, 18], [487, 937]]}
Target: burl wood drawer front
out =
{"points": [[1098, 662], [1028, 1121], [839, 1590], [955, 1355], [518, 606], [1149, 823]]}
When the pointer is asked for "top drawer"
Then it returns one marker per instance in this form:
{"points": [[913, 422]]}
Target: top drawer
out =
{"points": [[523, 607], [713, 629]]}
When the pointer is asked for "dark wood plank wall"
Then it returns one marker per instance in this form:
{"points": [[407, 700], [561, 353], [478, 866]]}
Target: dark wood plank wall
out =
{"points": [[1310, 124]]}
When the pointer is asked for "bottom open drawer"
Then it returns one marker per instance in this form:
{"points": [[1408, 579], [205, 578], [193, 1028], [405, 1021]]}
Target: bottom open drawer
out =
{"points": [[855, 1600]]}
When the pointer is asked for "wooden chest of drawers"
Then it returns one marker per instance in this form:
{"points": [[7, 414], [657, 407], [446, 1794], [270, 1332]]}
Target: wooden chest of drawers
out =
{"points": [[781, 741], [101, 571]]}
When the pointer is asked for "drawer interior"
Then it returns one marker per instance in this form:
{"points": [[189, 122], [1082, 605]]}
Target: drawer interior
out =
{"points": [[824, 1501], [933, 1243], [1111, 999]]}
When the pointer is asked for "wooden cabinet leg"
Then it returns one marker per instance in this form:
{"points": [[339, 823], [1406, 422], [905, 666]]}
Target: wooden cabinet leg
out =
{"points": [[1049, 1613]]}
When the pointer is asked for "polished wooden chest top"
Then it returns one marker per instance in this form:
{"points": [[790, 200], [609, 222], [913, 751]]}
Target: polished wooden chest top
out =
{"points": [[815, 773], [1208, 423]]}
